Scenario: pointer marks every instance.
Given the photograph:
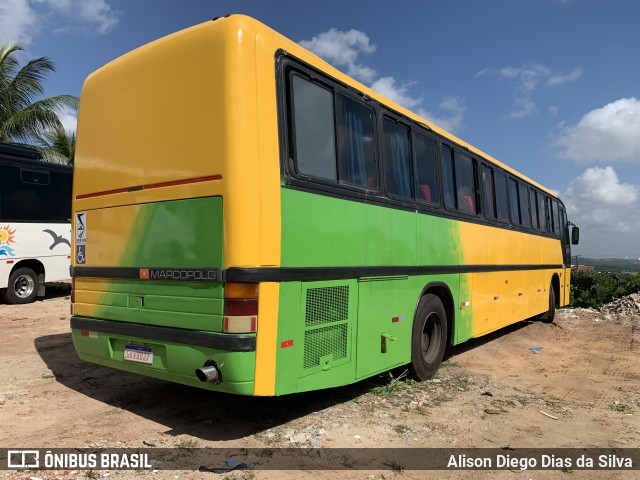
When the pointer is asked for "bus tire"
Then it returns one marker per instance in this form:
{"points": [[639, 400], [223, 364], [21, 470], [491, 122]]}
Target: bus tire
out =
{"points": [[429, 337], [551, 313], [22, 287]]}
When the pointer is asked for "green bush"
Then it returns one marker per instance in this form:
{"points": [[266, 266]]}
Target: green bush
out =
{"points": [[594, 289]]}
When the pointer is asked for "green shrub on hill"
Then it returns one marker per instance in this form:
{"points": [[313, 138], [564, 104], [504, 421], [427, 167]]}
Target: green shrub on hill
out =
{"points": [[594, 289]]}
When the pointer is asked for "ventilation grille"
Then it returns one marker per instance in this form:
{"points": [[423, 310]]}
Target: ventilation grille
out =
{"points": [[327, 305], [320, 342], [326, 336]]}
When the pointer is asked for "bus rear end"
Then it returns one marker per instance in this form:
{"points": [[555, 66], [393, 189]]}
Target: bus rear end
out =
{"points": [[159, 175]]}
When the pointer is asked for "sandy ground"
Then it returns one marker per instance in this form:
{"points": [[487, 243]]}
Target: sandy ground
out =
{"points": [[582, 389]]}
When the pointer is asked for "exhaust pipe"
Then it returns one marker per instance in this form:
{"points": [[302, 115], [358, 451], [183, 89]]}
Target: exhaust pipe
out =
{"points": [[209, 372]]}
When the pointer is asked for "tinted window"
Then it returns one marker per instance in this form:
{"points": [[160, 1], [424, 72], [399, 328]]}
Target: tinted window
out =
{"points": [[426, 150], [36, 177], [315, 145], [488, 197], [556, 217], [356, 151], [397, 159], [23, 199], [542, 218], [534, 209], [514, 208], [448, 181], [465, 183], [524, 205], [502, 205]]}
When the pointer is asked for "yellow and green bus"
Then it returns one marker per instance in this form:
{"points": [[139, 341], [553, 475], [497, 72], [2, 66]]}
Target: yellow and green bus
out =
{"points": [[249, 219]]}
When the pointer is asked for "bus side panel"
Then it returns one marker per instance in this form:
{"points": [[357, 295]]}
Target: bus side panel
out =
{"points": [[335, 332], [345, 233], [439, 242], [47, 243], [510, 295]]}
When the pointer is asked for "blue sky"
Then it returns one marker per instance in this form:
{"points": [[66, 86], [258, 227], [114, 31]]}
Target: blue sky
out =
{"points": [[550, 87]]}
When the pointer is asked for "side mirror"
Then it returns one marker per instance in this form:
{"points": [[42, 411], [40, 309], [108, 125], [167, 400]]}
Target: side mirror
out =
{"points": [[575, 235]]}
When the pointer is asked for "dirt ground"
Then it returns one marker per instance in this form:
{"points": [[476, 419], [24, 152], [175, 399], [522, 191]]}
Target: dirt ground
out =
{"points": [[582, 389]]}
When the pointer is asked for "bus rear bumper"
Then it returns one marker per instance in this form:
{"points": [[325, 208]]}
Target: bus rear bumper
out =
{"points": [[171, 354]]}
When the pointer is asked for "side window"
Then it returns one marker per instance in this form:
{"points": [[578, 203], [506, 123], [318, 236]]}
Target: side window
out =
{"points": [[542, 218], [397, 158], [534, 209], [34, 177], [547, 210], [356, 146], [465, 183], [556, 218], [448, 181], [502, 205], [24, 199], [426, 158], [313, 129], [488, 195], [514, 208], [524, 205]]}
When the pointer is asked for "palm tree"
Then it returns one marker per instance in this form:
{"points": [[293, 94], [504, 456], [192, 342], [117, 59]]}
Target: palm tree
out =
{"points": [[23, 118], [58, 145]]}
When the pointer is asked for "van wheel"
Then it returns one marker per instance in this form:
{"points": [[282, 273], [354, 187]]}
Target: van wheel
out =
{"points": [[551, 313], [22, 287], [429, 337]]}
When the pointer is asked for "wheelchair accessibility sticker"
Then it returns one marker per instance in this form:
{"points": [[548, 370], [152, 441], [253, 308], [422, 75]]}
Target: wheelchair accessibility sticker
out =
{"points": [[81, 237]]}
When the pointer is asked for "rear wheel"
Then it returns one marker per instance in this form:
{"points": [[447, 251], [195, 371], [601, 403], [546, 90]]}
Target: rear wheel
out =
{"points": [[22, 287], [429, 337], [551, 313]]}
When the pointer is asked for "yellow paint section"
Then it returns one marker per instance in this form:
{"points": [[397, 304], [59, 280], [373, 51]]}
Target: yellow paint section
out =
{"points": [[267, 338], [135, 130], [108, 235], [504, 297]]}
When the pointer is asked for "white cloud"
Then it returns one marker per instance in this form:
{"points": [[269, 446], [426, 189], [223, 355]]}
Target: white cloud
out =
{"points": [[450, 119], [22, 20], [560, 78], [388, 87], [344, 49], [597, 200], [606, 210], [610, 133], [526, 107], [17, 21], [69, 119], [527, 79]]}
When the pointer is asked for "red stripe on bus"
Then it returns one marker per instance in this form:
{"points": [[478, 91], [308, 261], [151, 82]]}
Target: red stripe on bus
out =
{"points": [[150, 186]]}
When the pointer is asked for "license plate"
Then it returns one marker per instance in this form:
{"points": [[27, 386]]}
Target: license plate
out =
{"points": [[138, 353]]}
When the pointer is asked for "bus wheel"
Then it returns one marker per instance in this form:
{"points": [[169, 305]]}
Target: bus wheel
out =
{"points": [[551, 313], [429, 337], [22, 287]]}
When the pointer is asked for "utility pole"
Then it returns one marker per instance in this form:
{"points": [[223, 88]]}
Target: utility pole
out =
{"points": [[577, 263]]}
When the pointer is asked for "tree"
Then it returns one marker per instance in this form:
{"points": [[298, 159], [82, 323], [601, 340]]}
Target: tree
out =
{"points": [[23, 118], [58, 145]]}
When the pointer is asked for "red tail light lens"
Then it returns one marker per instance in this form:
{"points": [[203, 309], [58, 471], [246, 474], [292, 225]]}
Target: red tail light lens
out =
{"points": [[240, 308]]}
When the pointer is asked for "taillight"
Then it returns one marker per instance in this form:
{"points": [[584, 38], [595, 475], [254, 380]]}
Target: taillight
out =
{"points": [[240, 308]]}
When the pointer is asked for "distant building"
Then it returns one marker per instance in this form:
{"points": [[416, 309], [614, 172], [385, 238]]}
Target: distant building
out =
{"points": [[583, 267]]}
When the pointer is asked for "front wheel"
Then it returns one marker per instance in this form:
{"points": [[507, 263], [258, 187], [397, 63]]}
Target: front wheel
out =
{"points": [[22, 287], [429, 337], [551, 313]]}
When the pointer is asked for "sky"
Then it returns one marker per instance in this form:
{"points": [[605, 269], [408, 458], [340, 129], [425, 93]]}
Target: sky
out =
{"points": [[549, 87]]}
